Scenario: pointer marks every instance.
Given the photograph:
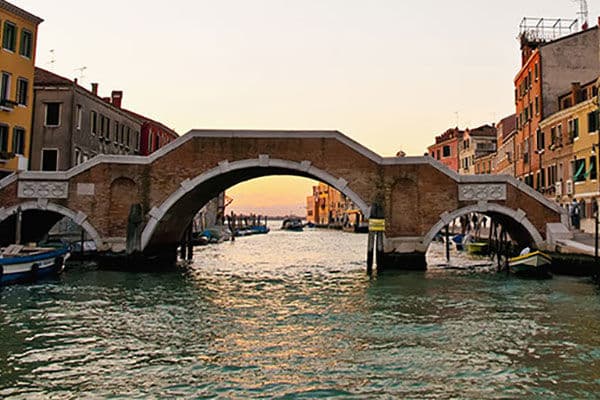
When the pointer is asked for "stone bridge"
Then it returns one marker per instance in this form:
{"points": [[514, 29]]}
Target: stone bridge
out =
{"points": [[418, 194]]}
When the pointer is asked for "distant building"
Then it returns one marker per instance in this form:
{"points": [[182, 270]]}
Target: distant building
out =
{"points": [[548, 65], [503, 163], [18, 44], [446, 147], [329, 207], [476, 143], [72, 124]]}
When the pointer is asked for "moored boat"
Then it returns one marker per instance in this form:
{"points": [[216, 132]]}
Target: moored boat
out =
{"points": [[534, 264], [292, 224], [478, 248], [23, 263]]}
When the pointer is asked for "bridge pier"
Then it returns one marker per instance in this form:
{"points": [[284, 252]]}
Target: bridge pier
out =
{"points": [[403, 254]]}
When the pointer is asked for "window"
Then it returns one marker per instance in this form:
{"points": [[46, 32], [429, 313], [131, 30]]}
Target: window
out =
{"points": [[94, 122], [77, 157], [137, 143], [3, 138], [559, 136], [102, 127], [573, 128], [536, 71], [122, 137], [9, 38], [593, 174], [593, 121], [541, 142], [49, 160], [22, 91], [446, 151], [26, 43], [579, 170], [52, 114], [537, 105], [116, 138], [128, 137], [79, 116], [5, 86], [107, 133], [18, 143]]}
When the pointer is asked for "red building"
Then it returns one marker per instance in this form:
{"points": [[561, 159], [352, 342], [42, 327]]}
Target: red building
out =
{"points": [[153, 134], [445, 148]]}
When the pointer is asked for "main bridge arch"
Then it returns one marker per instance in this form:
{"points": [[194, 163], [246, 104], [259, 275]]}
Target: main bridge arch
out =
{"points": [[165, 220], [45, 206]]}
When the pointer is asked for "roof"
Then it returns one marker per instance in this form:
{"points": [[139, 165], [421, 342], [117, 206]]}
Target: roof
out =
{"points": [[11, 8], [484, 130], [146, 119], [47, 78]]}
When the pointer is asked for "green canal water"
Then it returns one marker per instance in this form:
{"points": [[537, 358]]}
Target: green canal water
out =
{"points": [[293, 315]]}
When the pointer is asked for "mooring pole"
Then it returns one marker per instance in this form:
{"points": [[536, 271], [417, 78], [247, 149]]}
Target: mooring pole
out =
{"points": [[370, 246], [182, 246], [82, 240], [19, 226], [448, 244], [379, 254], [595, 206], [190, 246]]}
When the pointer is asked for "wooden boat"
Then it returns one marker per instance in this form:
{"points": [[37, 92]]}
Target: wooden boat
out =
{"points": [[22, 263], [478, 248], [535, 264]]}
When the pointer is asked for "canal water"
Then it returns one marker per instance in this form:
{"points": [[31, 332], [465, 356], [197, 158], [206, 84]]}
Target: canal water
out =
{"points": [[293, 315]]}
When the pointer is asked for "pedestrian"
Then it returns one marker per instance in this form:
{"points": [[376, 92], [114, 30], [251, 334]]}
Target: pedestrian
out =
{"points": [[575, 215]]}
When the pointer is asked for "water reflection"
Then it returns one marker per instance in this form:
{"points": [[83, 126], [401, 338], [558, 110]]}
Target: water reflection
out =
{"points": [[295, 315]]}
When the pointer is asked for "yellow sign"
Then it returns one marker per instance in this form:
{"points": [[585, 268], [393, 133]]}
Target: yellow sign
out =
{"points": [[377, 225]]}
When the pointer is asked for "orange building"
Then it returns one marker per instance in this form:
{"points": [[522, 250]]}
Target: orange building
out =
{"points": [[329, 207]]}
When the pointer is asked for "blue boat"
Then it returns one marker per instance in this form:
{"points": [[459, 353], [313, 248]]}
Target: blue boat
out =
{"points": [[25, 264]]}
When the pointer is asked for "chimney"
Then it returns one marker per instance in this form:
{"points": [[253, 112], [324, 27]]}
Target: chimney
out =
{"points": [[117, 98], [75, 81], [106, 99], [95, 88], [575, 90]]}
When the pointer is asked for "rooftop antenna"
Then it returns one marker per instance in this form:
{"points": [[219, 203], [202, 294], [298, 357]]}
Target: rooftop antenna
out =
{"points": [[52, 57], [583, 14], [81, 70], [457, 117]]}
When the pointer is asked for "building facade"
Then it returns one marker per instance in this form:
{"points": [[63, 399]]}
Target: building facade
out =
{"points": [[72, 124], [153, 134], [18, 41], [446, 148], [503, 162], [476, 143], [329, 207], [547, 68]]}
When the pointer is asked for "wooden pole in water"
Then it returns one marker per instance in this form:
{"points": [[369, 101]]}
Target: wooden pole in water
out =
{"points": [[370, 246], [82, 240], [448, 244], [19, 226], [190, 246]]}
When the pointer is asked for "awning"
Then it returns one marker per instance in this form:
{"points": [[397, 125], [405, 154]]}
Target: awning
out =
{"points": [[579, 171]]}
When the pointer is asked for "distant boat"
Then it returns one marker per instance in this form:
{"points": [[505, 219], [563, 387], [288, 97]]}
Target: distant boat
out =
{"points": [[535, 264], [292, 224], [23, 263]]}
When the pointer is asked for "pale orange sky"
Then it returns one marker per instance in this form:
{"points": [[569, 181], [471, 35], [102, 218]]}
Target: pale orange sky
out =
{"points": [[390, 74]]}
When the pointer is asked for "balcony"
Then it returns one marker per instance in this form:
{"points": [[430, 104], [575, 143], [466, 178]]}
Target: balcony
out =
{"points": [[7, 105]]}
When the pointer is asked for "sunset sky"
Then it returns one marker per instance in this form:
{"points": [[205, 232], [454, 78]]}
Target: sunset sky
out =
{"points": [[390, 74]]}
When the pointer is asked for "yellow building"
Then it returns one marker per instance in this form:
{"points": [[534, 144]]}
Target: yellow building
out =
{"points": [[18, 40]]}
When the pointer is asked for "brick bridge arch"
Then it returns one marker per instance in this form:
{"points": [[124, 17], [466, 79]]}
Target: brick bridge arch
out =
{"points": [[187, 200], [47, 207], [516, 223], [417, 194]]}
